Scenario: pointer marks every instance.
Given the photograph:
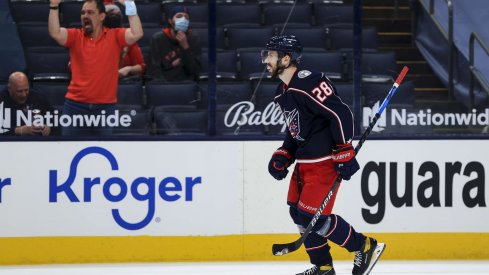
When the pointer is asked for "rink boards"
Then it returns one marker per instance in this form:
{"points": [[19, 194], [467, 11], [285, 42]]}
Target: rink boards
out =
{"points": [[80, 202]]}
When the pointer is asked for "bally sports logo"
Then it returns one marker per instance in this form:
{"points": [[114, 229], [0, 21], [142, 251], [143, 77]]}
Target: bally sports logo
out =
{"points": [[116, 189]]}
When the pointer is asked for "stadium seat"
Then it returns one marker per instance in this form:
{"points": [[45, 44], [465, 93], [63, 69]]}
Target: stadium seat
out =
{"points": [[311, 38], [150, 13], [328, 14], [70, 13], [48, 64], [379, 66], [341, 38], [203, 34], [373, 92], [130, 93], [231, 93], [251, 66], [29, 12], [235, 14], [148, 33], [264, 93], [226, 63], [248, 37], [330, 63], [277, 13], [179, 122], [53, 92], [178, 95], [36, 36], [140, 121]]}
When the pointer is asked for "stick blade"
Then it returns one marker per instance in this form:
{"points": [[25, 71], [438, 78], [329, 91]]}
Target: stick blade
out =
{"points": [[282, 249]]}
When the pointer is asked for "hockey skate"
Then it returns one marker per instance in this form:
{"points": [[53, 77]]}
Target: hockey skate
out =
{"points": [[319, 270], [366, 258]]}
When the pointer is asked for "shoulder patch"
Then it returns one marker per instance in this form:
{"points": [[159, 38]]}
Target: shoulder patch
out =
{"points": [[304, 74]]}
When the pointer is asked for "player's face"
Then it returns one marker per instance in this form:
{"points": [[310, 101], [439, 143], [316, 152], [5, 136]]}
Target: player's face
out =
{"points": [[91, 18], [270, 59]]}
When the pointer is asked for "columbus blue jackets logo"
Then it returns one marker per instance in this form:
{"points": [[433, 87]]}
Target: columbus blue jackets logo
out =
{"points": [[303, 74], [293, 122]]}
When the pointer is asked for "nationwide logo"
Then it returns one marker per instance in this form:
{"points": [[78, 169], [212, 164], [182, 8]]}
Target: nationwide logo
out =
{"points": [[4, 119], [55, 119], [422, 117]]}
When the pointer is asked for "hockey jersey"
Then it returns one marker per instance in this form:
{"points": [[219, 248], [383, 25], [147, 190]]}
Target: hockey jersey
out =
{"points": [[317, 119]]}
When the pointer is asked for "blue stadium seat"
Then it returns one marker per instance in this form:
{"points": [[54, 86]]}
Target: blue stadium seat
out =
{"points": [[36, 36], [251, 66], [341, 38], [328, 14], [53, 92], [373, 92], [204, 37], [130, 93], [231, 93], [148, 33], [179, 122], [178, 95], [140, 121], [29, 12], [48, 64], [330, 63], [379, 66], [150, 13], [311, 38], [264, 94], [277, 13], [230, 14], [226, 62], [70, 13], [248, 37]]}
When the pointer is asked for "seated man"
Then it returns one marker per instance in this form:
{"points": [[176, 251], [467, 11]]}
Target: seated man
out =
{"points": [[175, 52], [17, 97]]}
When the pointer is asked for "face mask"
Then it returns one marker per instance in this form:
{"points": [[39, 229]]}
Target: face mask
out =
{"points": [[181, 24]]}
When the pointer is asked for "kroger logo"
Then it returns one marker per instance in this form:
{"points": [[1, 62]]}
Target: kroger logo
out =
{"points": [[3, 183], [167, 188]]}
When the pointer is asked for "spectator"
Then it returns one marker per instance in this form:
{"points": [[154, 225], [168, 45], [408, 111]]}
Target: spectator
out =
{"points": [[175, 51], [94, 54], [131, 62], [18, 97]]}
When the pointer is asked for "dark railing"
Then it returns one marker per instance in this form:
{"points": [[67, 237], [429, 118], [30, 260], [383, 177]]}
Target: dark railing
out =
{"points": [[450, 40], [473, 70]]}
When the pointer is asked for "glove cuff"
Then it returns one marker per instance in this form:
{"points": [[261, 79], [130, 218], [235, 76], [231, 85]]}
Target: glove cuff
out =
{"points": [[131, 8], [284, 152], [344, 153]]}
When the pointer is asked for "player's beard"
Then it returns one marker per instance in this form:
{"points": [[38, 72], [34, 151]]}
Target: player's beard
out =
{"points": [[279, 69]]}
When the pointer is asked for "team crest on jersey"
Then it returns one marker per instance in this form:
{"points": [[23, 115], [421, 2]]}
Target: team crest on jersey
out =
{"points": [[293, 122], [304, 73]]}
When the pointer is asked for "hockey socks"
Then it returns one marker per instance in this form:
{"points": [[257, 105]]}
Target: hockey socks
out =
{"points": [[337, 230]]}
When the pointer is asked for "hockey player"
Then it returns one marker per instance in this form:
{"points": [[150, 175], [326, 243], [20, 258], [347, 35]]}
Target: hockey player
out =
{"points": [[319, 139]]}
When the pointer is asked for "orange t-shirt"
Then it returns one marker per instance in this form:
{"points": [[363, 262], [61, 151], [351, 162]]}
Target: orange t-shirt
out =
{"points": [[95, 65]]}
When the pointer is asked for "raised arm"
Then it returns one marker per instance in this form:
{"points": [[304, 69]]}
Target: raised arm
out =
{"points": [[135, 30], [55, 30]]}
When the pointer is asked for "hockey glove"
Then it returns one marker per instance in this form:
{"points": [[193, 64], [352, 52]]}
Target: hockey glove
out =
{"points": [[345, 162], [281, 159]]}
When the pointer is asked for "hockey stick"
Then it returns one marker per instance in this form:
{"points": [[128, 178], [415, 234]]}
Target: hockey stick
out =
{"points": [[282, 249]]}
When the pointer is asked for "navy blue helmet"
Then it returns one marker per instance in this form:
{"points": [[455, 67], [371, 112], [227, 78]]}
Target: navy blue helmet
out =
{"points": [[286, 44]]}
